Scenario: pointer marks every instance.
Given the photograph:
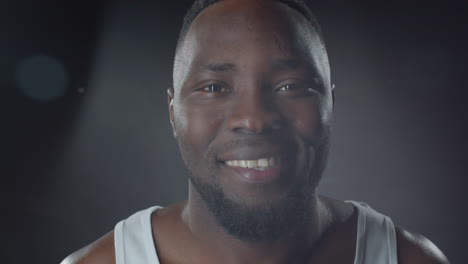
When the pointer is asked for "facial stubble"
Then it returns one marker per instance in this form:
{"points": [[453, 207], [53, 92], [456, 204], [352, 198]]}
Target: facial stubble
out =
{"points": [[263, 222]]}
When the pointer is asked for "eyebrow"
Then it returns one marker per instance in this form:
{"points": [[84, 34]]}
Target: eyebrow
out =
{"points": [[220, 67], [277, 65], [285, 64]]}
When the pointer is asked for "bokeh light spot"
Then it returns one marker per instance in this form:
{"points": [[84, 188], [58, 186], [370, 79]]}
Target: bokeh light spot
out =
{"points": [[42, 78]]}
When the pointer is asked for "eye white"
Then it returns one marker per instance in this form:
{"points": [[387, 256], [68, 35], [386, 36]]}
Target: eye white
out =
{"points": [[287, 87], [214, 89]]}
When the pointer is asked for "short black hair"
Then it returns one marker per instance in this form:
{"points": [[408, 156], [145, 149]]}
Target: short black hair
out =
{"points": [[301, 6]]}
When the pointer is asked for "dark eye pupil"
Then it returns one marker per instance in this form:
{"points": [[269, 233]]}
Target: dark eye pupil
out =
{"points": [[288, 87], [213, 88]]}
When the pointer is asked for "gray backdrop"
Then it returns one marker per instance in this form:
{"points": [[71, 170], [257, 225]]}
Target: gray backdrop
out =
{"points": [[398, 143]]}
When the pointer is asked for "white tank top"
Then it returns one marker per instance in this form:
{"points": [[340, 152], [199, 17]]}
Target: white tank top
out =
{"points": [[375, 240]]}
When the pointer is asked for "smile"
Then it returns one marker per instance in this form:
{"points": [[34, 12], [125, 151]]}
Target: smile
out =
{"points": [[255, 171], [260, 164]]}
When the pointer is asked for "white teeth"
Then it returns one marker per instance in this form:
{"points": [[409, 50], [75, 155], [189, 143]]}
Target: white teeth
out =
{"points": [[242, 163], [252, 164], [263, 163], [260, 163]]}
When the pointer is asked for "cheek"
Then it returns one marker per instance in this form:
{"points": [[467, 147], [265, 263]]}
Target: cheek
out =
{"points": [[196, 126], [306, 119], [309, 120]]}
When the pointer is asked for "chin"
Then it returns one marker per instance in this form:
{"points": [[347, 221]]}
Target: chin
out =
{"points": [[257, 219]]}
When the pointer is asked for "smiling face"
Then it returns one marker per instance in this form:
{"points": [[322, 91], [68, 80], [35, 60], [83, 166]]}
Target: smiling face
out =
{"points": [[251, 109]]}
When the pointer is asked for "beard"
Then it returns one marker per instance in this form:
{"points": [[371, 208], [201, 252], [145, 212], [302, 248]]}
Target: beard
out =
{"points": [[265, 222]]}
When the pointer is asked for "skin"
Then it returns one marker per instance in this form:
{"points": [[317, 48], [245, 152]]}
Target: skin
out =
{"points": [[232, 86], [243, 79]]}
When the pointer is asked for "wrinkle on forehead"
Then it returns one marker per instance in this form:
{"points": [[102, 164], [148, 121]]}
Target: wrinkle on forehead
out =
{"points": [[261, 20]]}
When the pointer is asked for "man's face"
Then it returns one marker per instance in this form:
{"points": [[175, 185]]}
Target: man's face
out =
{"points": [[252, 89]]}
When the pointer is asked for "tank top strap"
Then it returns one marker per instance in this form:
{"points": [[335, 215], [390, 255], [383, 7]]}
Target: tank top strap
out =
{"points": [[133, 239], [376, 238]]}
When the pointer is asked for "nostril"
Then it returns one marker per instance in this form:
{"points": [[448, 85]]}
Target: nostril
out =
{"points": [[276, 126], [256, 124]]}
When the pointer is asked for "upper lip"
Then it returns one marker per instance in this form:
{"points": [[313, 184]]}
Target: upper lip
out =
{"points": [[250, 153]]}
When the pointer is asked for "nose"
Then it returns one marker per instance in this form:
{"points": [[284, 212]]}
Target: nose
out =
{"points": [[254, 112]]}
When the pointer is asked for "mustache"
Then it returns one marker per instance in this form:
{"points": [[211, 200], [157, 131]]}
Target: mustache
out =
{"points": [[259, 142]]}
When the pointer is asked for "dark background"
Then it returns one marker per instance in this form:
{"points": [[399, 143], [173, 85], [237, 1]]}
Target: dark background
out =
{"points": [[76, 164]]}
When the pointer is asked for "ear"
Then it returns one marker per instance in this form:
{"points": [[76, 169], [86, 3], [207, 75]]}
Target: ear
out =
{"points": [[170, 103], [333, 94]]}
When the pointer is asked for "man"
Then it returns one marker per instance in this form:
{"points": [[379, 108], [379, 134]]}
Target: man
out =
{"points": [[251, 108]]}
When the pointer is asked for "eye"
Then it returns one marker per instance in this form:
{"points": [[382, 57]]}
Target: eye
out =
{"points": [[296, 89], [214, 88], [287, 87]]}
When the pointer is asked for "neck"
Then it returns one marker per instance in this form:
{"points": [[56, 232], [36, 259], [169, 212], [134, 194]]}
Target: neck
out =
{"points": [[295, 245]]}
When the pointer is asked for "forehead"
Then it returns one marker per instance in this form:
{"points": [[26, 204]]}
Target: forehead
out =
{"points": [[230, 15], [241, 32]]}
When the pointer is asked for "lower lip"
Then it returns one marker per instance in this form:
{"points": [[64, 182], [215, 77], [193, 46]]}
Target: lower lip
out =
{"points": [[257, 176]]}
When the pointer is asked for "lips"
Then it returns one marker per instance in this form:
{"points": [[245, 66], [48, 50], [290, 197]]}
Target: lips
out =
{"points": [[255, 161], [255, 175], [260, 170], [261, 163]]}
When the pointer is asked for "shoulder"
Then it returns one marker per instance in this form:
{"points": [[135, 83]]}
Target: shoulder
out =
{"points": [[101, 251], [416, 249]]}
